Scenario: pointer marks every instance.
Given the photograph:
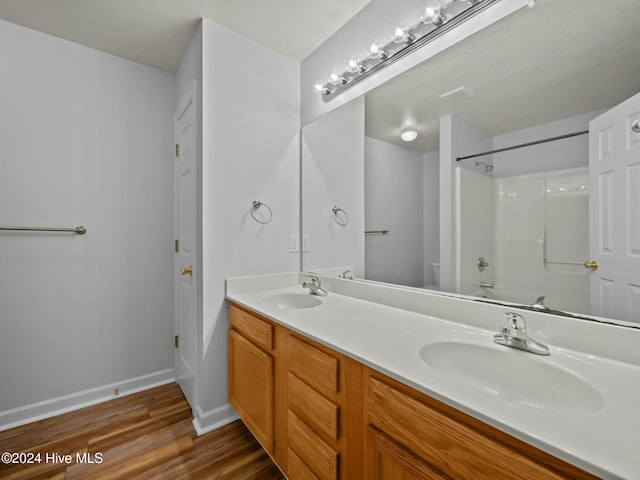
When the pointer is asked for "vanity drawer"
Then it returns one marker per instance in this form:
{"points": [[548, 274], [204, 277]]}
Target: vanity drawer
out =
{"points": [[252, 327], [449, 446], [321, 459], [318, 411], [317, 368], [297, 469]]}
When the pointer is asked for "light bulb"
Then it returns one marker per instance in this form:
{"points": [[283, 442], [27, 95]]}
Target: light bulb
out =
{"points": [[319, 87], [336, 79], [402, 35], [432, 14], [354, 66], [376, 51], [409, 135]]}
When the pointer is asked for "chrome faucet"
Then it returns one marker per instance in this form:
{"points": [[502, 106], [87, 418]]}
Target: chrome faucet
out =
{"points": [[346, 275], [539, 303], [314, 286], [514, 334]]}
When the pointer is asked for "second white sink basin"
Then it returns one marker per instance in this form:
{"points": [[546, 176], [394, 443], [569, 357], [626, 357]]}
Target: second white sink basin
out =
{"points": [[513, 375], [293, 300]]}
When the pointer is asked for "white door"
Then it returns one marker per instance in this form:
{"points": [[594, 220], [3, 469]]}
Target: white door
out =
{"points": [[614, 211], [185, 258]]}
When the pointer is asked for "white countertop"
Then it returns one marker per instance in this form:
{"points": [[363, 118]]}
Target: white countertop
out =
{"points": [[604, 440]]}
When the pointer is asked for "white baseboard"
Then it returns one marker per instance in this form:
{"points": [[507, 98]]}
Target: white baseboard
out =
{"points": [[67, 403], [205, 422]]}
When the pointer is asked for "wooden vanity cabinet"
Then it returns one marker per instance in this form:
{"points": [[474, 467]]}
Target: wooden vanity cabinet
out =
{"points": [[411, 435], [389, 460], [324, 416], [324, 423], [252, 374], [301, 400]]}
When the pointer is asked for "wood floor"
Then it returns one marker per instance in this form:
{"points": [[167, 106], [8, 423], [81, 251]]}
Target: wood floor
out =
{"points": [[146, 435]]}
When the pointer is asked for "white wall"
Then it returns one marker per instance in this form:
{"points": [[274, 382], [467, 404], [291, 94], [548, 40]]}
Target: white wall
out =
{"points": [[431, 213], [250, 151], [333, 175], [476, 229], [85, 139], [393, 192], [378, 20], [457, 139]]}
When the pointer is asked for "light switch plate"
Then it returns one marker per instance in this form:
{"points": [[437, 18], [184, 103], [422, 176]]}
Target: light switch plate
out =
{"points": [[294, 243], [306, 242]]}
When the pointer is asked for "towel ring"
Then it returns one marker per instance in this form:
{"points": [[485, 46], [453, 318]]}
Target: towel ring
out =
{"points": [[336, 216], [255, 206]]}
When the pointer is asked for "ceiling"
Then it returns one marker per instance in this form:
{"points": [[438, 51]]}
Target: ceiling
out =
{"points": [[559, 59], [157, 32]]}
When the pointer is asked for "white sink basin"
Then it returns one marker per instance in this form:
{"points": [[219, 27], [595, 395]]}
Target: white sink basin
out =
{"points": [[289, 301], [513, 375]]}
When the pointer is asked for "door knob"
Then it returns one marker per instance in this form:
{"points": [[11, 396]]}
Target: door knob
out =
{"points": [[593, 265], [187, 271]]}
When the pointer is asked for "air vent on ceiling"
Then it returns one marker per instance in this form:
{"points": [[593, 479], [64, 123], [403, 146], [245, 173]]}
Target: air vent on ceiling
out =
{"points": [[457, 95]]}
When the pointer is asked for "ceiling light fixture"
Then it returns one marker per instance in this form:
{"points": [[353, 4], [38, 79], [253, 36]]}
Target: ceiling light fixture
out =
{"points": [[438, 18], [409, 135]]}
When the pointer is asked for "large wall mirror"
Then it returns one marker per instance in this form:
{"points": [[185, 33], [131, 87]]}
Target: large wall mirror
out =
{"points": [[516, 225]]}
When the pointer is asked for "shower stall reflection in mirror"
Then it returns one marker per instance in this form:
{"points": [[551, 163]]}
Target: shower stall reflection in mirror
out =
{"points": [[531, 228]]}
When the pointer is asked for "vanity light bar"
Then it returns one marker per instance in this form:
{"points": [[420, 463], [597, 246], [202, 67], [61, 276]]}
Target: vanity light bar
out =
{"points": [[438, 18]]}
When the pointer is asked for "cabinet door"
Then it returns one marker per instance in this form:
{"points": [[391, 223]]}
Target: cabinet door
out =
{"points": [[251, 387], [388, 460]]}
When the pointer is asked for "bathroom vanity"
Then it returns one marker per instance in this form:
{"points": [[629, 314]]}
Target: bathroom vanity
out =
{"points": [[343, 387]]}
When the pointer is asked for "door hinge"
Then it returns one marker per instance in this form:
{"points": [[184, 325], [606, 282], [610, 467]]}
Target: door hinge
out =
{"points": [[177, 150], [176, 341], [176, 248]]}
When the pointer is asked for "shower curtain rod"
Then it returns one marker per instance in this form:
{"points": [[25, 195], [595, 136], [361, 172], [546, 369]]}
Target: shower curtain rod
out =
{"points": [[522, 145]]}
